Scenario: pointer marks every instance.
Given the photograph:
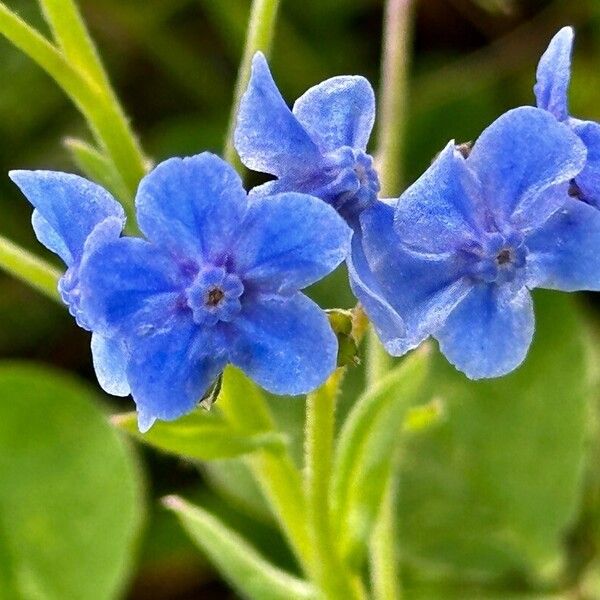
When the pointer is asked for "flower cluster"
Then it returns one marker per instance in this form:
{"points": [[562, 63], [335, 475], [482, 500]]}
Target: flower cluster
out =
{"points": [[216, 277]]}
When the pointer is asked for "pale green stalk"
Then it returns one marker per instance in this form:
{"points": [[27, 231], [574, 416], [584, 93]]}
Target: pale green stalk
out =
{"points": [[391, 132], [385, 572], [72, 36], [259, 37], [29, 268], [393, 110], [330, 573], [244, 405], [378, 361], [99, 106]]}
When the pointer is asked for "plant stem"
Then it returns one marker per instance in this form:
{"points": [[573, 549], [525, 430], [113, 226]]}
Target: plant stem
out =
{"points": [[393, 100], [29, 268], [328, 569], [391, 132], [378, 361], [259, 37], [99, 106], [384, 558], [70, 32], [244, 405]]}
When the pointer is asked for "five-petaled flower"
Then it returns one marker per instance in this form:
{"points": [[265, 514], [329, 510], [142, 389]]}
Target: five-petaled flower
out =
{"points": [[456, 255], [73, 216], [319, 147], [216, 281], [551, 91]]}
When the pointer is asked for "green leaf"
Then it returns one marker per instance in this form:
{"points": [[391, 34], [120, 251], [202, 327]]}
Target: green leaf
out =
{"points": [[366, 450], [490, 491], [201, 436], [69, 490], [97, 167], [248, 572]]}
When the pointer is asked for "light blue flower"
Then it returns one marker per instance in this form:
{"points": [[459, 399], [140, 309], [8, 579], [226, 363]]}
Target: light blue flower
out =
{"points": [[455, 257], [551, 91], [216, 281], [73, 216], [319, 147]]}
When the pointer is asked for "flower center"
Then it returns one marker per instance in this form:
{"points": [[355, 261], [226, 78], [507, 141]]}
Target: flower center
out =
{"points": [[497, 258], [504, 256], [214, 295], [352, 182]]}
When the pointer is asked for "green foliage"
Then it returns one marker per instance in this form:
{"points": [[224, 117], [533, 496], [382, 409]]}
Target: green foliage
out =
{"points": [[69, 490], [201, 435], [490, 491], [95, 166], [365, 451], [243, 567]]}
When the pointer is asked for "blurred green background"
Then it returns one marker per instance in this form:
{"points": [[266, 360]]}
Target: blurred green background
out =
{"points": [[173, 63]]}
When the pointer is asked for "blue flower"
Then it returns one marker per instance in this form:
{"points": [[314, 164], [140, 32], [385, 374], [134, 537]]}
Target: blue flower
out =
{"points": [[216, 281], [72, 217], [319, 147], [455, 257], [551, 91]]}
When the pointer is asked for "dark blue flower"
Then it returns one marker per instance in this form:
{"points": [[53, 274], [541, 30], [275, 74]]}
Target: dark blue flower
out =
{"points": [[73, 216], [319, 147], [455, 257], [216, 281], [551, 91]]}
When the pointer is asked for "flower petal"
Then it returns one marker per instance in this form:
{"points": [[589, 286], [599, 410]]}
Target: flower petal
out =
{"points": [[268, 137], [171, 369], [422, 288], [110, 361], [564, 254], [124, 278], [192, 205], [519, 158], [437, 213], [338, 112], [289, 241], [554, 74], [489, 333], [285, 344], [589, 179], [388, 324], [67, 208]]}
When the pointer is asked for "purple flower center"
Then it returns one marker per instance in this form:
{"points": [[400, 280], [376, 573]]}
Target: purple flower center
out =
{"points": [[497, 258], [214, 295]]}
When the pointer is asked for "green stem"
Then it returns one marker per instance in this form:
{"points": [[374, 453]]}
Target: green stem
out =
{"points": [[391, 132], [70, 32], [393, 100], [328, 569], [384, 558], [244, 405], [259, 37], [100, 108], [378, 361], [29, 268]]}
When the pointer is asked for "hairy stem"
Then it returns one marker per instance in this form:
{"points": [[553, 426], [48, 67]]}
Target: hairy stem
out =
{"points": [[259, 37], [29, 268], [244, 405], [328, 569], [384, 558], [99, 106]]}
